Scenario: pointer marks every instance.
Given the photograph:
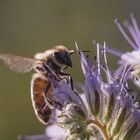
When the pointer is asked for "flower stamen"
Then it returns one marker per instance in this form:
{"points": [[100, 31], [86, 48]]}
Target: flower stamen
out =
{"points": [[124, 34]]}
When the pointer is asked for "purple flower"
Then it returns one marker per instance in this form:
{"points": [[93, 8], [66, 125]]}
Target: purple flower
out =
{"points": [[114, 105], [58, 132], [105, 110], [34, 137], [131, 58]]}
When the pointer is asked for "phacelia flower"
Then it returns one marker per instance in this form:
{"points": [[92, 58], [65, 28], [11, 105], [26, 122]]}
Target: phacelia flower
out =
{"points": [[131, 58], [104, 110]]}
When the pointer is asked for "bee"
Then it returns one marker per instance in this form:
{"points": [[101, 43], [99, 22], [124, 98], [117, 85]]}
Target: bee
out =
{"points": [[58, 59]]}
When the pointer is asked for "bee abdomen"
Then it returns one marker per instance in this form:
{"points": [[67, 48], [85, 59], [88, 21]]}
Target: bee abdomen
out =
{"points": [[39, 87]]}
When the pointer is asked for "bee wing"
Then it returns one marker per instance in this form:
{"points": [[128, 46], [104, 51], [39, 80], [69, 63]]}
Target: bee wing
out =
{"points": [[18, 63]]}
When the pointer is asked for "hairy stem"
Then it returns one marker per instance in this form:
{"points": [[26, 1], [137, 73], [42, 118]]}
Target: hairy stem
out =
{"points": [[100, 127]]}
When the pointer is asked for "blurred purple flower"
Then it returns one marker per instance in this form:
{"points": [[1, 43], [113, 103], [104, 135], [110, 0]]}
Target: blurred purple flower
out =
{"points": [[55, 132], [131, 58], [33, 137]]}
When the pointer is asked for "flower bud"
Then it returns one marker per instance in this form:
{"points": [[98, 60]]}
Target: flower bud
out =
{"points": [[76, 112], [117, 124], [129, 132], [109, 108], [79, 132], [65, 122]]}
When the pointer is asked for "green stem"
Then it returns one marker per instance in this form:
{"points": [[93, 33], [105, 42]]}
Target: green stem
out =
{"points": [[100, 127]]}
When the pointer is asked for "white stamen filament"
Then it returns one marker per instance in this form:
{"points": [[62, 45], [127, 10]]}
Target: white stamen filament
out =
{"points": [[108, 75], [132, 32], [122, 78], [98, 58], [124, 34], [135, 25], [112, 51]]}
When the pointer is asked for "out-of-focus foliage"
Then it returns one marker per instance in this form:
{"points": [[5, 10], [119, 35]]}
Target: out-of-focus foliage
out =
{"points": [[27, 27]]}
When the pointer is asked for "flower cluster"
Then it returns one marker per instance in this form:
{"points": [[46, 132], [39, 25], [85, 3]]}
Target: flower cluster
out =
{"points": [[130, 58], [106, 109]]}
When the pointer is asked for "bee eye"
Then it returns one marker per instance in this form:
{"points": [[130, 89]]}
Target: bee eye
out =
{"points": [[60, 55], [63, 58]]}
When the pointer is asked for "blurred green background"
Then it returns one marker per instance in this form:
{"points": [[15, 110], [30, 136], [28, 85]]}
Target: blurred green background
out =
{"points": [[31, 26]]}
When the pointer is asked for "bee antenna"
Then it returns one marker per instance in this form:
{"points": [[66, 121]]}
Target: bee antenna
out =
{"points": [[72, 51], [85, 51], [78, 50]]}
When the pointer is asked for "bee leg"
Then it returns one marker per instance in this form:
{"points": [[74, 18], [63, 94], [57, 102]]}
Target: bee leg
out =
{"points": [[71, 82], [46, 94], [47, 88], [68, 78]]}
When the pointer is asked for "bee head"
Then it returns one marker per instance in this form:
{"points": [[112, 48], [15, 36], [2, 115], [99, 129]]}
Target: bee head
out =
{"points": [[63, 56]]}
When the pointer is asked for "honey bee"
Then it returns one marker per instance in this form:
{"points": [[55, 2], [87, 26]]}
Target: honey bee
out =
{"points": [[58, 59]]}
